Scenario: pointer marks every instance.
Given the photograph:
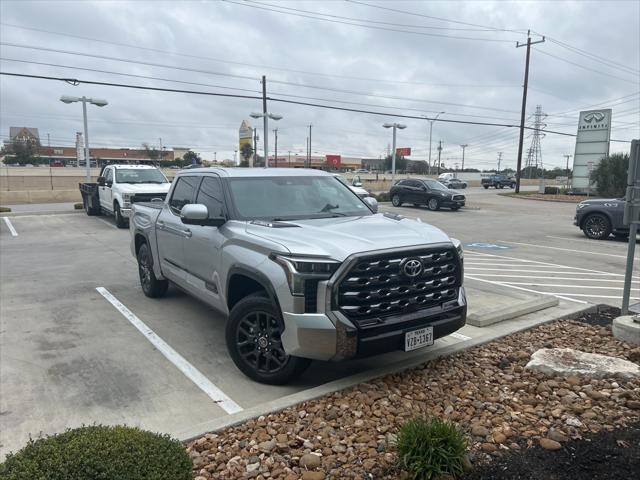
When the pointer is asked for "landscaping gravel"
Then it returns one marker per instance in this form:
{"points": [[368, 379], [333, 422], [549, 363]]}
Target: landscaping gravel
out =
{"points": [[500, 406]]}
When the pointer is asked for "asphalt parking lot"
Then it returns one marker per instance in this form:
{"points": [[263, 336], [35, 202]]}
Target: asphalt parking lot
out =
{"points": [[80, 343]]}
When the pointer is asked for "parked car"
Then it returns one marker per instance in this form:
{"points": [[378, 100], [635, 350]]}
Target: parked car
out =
{"points": [[303, 268], [120, 186], [361, 170], [446, 176], [356, 187], [454, 183], [498, 181], [599, 218], [431, 193]]}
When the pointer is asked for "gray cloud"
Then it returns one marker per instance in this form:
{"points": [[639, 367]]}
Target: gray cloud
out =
{"points": [[466, 72]]}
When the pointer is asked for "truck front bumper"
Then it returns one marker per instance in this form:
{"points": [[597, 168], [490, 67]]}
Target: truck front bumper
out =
{"points": [[331, 336], [125, 212]]}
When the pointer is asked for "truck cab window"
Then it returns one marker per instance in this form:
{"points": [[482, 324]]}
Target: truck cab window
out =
{"points": [[183, 193], [108, 175], [210, 194]]}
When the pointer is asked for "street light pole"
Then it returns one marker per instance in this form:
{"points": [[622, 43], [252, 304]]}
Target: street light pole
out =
{"points": [[266, 116], [568, 157], [275, 131], [393, 157], [94, 101]]}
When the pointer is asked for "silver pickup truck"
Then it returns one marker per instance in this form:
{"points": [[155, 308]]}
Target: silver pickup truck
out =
{"points": [[303, 268]]}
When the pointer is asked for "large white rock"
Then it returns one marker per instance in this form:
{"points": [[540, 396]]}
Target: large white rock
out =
{"points": [[568, 362]]}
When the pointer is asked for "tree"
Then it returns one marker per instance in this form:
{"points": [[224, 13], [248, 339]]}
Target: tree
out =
{"points": [[152, 152], [401, 163], [22, 153], [610, 176], [246, 150], [191, 158]]}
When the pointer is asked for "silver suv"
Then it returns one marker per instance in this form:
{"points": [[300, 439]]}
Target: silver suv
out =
{"points": [[303, 268]]}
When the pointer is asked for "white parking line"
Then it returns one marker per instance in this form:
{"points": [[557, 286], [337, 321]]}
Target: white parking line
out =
{"points": [[10, 225], [508, 285], [106, 223], [584, 287], [519, 264], [594, 243], [191, 372], [563, 249], [539, 271], [559, 278]]}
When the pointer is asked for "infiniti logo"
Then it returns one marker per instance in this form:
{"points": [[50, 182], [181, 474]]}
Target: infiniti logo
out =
{"points": [[412, 267], [597, 116]]}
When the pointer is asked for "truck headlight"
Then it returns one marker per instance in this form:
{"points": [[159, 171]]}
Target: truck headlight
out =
{"points": [[126, 199], [300, 269], [458, 245]]}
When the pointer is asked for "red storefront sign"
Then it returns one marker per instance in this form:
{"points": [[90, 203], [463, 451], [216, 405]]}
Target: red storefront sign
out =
{"points": [[403, 151], [334, 161]]}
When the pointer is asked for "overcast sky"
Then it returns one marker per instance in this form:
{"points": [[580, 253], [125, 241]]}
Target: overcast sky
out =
{"points": [[456, 57]]}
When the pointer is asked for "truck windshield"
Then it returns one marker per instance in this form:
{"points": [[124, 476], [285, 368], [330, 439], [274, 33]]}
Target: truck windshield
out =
{"points": [[291, 198], [139, 175]]}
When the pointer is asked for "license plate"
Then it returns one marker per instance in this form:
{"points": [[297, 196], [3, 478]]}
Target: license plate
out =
{"points": [[415, 339]]}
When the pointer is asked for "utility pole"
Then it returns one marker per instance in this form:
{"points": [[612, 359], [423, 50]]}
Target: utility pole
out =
{"points": [[215, 157], [439, 152], [275, 131], [524, 103], [430, 132], [255, 147], [499, 160], [161, 156], [568, 157], [289, 158], [309, 147], [306, 155], [265, 119], [463, 147]]}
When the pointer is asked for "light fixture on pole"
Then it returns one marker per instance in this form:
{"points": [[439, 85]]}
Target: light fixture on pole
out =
{"points": [[94, 101], [266, 117], [430, 134], [393, 161]]}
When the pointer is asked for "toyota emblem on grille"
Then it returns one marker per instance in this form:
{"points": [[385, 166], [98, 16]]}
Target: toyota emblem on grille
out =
{"points": [[412, 267]]}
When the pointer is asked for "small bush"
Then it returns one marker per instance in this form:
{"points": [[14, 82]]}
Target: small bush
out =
{"points": [[428, 447], [5, 209], [610, 176], [382, 197], [100, 453], [78, 206]]}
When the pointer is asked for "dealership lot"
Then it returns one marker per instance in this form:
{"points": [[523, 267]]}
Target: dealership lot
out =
{"points": [[81, 344]]}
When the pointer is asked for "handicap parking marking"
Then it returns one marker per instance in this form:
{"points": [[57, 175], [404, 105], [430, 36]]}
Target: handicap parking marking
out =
{"points": [[191, 372], [565, 282], [488, 246], [10, 226], [580, 252]]}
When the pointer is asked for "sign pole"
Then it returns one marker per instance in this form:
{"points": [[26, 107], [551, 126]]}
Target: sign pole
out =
{"points": [[631, 218]]}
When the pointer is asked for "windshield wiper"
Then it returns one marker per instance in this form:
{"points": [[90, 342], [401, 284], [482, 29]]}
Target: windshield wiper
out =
{"points": [[328, 207]]}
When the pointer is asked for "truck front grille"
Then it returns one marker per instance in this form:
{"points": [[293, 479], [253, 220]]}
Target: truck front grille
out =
{"points": [[379, 286], [147, 197]]}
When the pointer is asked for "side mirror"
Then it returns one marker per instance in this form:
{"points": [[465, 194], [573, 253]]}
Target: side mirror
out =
{"points": [[372, 203], [101, 181], [198, 214]]}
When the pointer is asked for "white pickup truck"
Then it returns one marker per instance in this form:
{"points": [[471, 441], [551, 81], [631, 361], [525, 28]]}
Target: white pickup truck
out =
{"points": [[119, 186]]}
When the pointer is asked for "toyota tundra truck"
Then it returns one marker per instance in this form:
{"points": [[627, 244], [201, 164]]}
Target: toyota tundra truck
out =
{"points": [[119, 186], [300, 265]]}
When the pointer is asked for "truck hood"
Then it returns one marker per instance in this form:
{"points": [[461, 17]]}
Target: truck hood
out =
{"points": [[340, 237], [144, 187]]}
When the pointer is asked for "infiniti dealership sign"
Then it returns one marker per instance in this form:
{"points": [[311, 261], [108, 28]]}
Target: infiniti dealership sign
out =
{"points": [[592, 143]]}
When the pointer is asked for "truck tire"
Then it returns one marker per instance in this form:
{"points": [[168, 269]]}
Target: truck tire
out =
{"points": [[396, 201], [596, 226], [253, 340], [434, 204], [151, 286], [486, 187], [121, 222]]}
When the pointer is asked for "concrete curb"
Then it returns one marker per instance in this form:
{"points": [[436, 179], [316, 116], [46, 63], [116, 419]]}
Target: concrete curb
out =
{"points": [[38, 214], [524, 197], [625, 329], [485, 318], [347, 382]]}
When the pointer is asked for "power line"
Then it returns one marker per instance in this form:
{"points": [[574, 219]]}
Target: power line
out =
{"points": [[310, 15], [255, 65], [75, 81], [280, 82], [587, 68]]}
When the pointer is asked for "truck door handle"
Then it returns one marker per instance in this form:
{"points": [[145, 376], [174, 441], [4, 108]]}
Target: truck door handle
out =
{"points": [[187, 233]]}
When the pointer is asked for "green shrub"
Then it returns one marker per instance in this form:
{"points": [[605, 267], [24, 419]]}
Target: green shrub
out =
{"points": [[5, 209], [382, 197], [100, 453], [610, 175], [78, 206], [428, 447]]}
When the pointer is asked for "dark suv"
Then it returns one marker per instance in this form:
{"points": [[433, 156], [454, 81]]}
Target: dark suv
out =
{"points": [[498, 181], [599, 218], [431, 193]]}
